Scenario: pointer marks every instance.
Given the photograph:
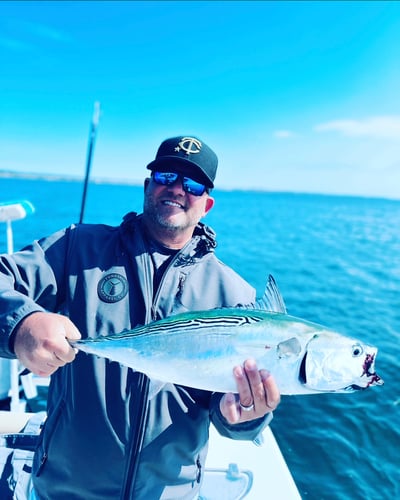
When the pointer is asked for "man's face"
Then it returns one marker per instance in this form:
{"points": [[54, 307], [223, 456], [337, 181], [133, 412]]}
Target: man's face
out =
{"points": [[171, 208]]}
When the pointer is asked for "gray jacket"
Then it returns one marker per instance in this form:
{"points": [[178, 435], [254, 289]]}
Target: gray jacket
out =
{"points": [[104, 438]]}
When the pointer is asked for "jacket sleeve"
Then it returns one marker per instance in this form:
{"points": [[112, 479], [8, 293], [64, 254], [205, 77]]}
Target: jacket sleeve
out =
{"points": [[28, 283], [244, 431]]}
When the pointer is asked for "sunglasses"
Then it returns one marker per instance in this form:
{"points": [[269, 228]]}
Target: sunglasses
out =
{"points": [[188, 184]]}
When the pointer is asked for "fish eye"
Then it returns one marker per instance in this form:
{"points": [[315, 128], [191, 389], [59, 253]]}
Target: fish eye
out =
{"points": [[357, 350]]}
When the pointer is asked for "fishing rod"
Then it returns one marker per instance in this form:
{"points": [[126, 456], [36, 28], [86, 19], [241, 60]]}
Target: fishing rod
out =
{"points": [[92, 140]]}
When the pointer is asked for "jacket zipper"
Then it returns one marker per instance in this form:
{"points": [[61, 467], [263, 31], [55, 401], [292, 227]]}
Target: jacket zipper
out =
{"points": [[160, 286], [135, 444], [138, 428]]}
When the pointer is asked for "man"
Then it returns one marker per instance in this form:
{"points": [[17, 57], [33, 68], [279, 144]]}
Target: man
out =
{"points": [[107, 436]]}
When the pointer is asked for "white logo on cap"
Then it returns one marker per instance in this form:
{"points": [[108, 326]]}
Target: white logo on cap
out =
{"points": [[189, 145]]}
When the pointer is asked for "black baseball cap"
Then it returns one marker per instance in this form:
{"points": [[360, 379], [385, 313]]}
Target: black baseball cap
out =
{"points": [[187, 155]]}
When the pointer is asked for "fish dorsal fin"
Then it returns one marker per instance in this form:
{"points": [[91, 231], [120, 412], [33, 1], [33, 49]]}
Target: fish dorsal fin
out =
{"points": [[272, 299]]}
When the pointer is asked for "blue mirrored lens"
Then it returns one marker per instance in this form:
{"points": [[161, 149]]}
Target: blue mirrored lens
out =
{"points": [[193, 187], [189, 185]]}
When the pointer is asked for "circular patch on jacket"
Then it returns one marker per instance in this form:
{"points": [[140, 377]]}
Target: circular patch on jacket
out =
{"points": [[112, 288]]}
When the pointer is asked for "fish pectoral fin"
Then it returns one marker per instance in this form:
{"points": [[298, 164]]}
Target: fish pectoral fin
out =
{"points": [[290, 347]]}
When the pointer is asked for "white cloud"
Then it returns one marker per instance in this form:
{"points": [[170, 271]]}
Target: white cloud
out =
{"points": [[378, 127], [284, 134]]}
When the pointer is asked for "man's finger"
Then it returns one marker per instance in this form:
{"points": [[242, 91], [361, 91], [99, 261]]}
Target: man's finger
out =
{"points": [[272, 394]]}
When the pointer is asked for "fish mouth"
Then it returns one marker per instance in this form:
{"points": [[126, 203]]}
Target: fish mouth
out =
{"points": [[368, 370], [375, 379], [368, 366]]}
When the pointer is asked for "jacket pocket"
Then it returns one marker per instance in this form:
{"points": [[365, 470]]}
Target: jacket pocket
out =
{"points": [[47, 433]]}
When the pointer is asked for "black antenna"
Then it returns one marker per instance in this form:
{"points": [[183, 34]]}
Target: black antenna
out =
{"points": [[92, 139]]}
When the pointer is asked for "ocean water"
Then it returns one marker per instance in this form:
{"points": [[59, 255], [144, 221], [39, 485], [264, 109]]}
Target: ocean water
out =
{"points": [[337, 262]]}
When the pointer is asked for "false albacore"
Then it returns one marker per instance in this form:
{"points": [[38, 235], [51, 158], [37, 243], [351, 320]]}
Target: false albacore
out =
{"points": [[200, 349]]}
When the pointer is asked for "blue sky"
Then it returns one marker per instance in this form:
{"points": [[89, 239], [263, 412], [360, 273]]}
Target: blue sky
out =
{"points": [[292, 96]]}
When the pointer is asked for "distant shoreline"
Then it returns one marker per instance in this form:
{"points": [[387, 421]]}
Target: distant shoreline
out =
{"points": [[10, 174]]}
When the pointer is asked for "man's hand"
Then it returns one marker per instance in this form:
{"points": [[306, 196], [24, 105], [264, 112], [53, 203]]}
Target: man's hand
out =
{"points": [[258, 394], [41, 342]]}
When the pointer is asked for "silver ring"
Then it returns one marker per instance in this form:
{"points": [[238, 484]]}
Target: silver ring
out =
{"points": [[246, 408]]}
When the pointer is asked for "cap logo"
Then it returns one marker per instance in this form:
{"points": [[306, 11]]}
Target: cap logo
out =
{"points": [[190, 145]]}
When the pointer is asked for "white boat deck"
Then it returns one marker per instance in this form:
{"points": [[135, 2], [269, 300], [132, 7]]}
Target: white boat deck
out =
{"points": [[269, 478], [234, 469]]}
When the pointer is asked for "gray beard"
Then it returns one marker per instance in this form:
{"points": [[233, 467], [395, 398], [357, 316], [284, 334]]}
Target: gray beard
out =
{"points": [[153, 218]]}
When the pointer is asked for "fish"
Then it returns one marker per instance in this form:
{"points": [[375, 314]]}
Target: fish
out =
{"points": [[199, 349]]}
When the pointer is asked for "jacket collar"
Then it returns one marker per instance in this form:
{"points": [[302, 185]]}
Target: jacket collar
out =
{"points": [[203, 239]]}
